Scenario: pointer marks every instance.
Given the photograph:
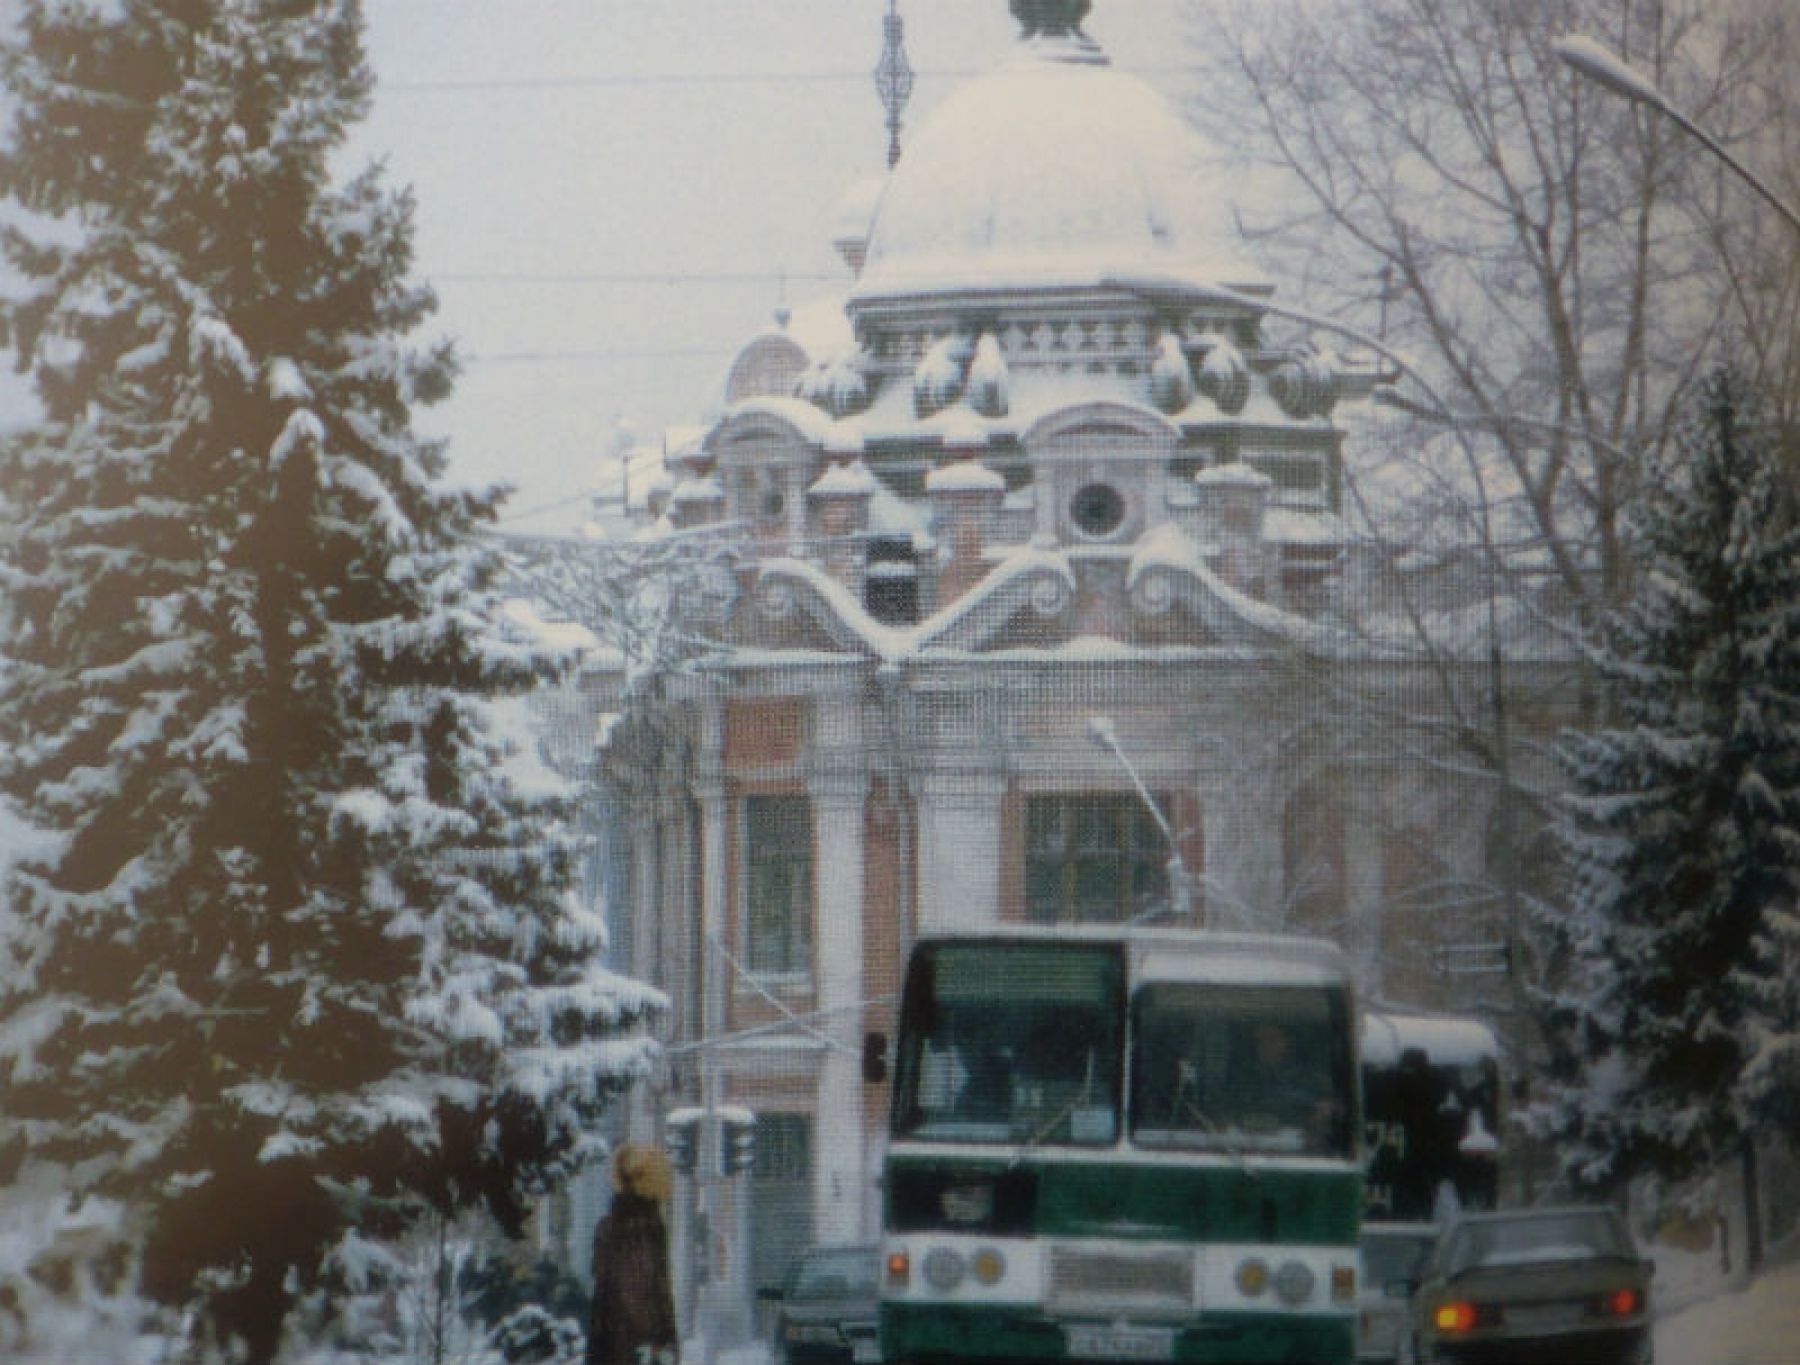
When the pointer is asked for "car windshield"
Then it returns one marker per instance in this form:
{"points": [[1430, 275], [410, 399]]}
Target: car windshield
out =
{"points": [[1572, 1235], [1242, 1068], [850, 1273], [1388, 1257], [1012, 1043]]}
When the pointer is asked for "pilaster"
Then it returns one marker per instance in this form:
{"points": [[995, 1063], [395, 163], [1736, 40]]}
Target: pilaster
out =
{"points": [[839, 807], [959, 850]]}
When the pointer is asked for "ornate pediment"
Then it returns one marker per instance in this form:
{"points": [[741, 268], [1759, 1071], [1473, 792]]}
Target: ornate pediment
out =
{"points": [[1087, 430]]}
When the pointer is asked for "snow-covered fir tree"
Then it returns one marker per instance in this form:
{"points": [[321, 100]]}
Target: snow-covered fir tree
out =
{"points": [[1684, 826], [295, 954]]}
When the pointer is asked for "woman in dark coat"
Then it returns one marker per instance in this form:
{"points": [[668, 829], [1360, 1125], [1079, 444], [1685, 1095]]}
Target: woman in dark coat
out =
{"points": [[632, 1321]]}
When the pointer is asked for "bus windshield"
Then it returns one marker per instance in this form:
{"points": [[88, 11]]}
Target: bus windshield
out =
{"points": [[1012, 1043], [1242, 1068]]}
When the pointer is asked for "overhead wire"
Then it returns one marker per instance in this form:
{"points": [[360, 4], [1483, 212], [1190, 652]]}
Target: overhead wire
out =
{"points": [[489, 84]]}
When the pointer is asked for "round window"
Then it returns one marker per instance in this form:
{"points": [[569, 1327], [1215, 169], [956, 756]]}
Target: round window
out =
{"points": [[1097, 509]]}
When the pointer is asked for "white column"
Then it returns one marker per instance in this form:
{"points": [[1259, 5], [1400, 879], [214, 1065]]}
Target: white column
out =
{"points": [[959, 850], [838, 807], [644, 886], [711, 972], [1241, 835], [723, 1305]]}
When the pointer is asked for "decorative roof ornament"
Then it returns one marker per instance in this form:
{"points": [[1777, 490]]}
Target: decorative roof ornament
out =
{"points": [[941, 373], [1171, 376], [1224, 376], [989, 382], [893, 77], [1051, 18]]}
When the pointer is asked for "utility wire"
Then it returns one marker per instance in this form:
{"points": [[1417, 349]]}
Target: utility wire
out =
{"points": [[486, 84], [483, 84], [627, 356], [511, 277]]}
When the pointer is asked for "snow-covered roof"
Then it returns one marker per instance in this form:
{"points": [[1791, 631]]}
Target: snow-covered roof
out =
{"points": [[1053, 169], [1294, 526], [1445, 1041], [1234, 475], [964, 476], [849, 479]]}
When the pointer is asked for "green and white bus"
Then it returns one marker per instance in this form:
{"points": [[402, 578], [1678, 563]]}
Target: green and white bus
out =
{"points": [[1122, 1144]]}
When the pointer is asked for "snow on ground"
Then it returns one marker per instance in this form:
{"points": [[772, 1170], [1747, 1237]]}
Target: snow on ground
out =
{"points": [[1757, 1324]]}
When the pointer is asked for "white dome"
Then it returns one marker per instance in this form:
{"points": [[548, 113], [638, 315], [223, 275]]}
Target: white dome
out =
{"points": [[1053, 169]]}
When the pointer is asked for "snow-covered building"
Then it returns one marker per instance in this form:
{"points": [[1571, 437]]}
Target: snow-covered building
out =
{"points": [[1047, 506]]}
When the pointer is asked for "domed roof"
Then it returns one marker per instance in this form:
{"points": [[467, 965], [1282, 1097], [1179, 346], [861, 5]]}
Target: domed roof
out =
{"points": [[1055, 169]]}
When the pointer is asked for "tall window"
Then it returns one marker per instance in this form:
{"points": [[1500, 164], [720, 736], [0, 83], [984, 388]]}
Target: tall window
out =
{"points": [[1093, 858], [778, 883]]}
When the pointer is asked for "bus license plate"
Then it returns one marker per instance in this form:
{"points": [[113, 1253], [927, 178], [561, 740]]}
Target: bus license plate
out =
{"points": [[1095, 1341]]}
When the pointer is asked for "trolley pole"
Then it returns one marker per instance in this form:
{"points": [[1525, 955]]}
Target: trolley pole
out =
{"points": [[1181, 881]]}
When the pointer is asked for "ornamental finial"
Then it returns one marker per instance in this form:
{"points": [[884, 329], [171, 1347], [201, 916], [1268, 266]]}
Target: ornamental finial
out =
{"points": [[1048, 18], [893, 77]]}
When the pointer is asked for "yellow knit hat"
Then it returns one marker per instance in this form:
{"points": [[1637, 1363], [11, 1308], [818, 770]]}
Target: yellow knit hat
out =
{"points": [[644, 1171]]}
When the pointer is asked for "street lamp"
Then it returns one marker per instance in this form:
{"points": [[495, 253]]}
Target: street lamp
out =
{"points": [[1601, 66]]}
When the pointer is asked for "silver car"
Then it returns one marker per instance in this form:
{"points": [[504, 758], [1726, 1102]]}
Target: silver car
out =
{"points": [[1393, 1261], [1535, 1287], [827, 1308]]}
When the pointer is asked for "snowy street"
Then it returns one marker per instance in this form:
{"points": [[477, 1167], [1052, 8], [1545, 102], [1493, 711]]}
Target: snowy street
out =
{"points": [[1756, 1325]]}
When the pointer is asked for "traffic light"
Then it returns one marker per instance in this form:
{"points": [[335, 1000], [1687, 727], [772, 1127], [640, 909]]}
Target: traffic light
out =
{"points": [[874, 1058], [683, 1129], [737, 1140]]}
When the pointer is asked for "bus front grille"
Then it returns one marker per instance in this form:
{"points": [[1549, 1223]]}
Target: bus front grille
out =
{"points": [[1084, 1280]]}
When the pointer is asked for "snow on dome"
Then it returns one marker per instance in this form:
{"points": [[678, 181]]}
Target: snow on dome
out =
{"points": [[1053, 169]]}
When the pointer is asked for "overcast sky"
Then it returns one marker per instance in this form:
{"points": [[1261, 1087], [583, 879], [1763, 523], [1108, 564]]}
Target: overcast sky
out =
{"points": [[609, 192]]}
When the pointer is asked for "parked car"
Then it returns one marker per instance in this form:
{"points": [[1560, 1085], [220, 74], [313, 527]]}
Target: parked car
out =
{"points": [[1535, 1287], [1393, 1263], [826, 1310]]}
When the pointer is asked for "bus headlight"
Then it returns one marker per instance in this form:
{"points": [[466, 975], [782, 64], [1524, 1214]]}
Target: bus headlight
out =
{"points": [[944, 1269], [1294, 1282], [989, 1266], [1252, 1278]]}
